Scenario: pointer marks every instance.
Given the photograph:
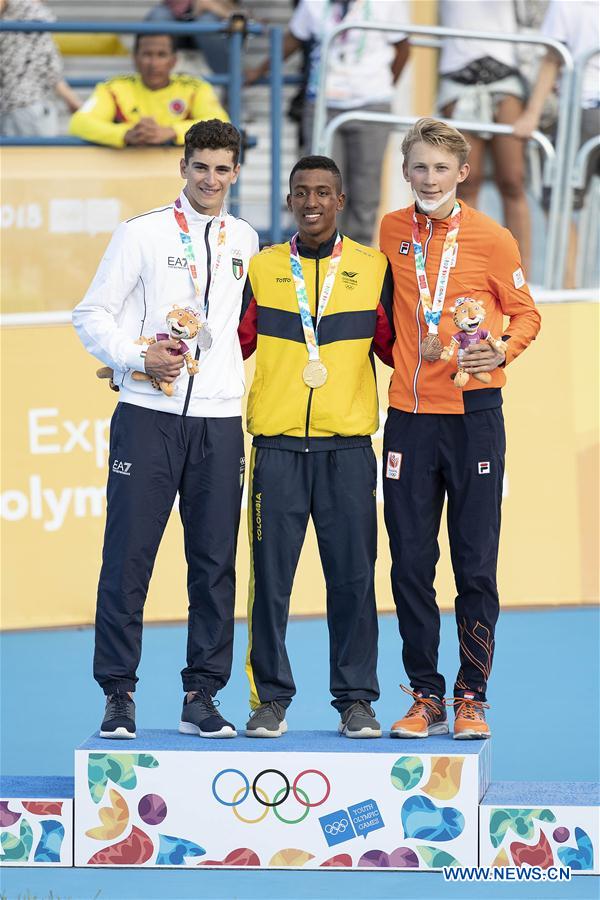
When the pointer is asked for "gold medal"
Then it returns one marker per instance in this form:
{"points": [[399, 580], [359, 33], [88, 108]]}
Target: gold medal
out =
{"points": [[431, 348], [314, 374]]}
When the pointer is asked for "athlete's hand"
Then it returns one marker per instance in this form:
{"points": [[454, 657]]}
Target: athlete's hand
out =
{"points": [[161, 364], [481, 358]]}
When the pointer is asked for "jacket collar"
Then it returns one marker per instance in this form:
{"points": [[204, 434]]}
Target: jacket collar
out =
{"points": [[193, 217], [320, 252], [439, 223]]}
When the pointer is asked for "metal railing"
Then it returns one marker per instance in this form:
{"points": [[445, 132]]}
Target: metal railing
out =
{"points": [[576, 160], [560, 175], [233, 81], [405, 122]]}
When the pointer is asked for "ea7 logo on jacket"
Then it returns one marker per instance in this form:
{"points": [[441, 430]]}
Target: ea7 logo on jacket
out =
{"points": [[349, 279], [237, 267], [177, 262], [121, 468]]}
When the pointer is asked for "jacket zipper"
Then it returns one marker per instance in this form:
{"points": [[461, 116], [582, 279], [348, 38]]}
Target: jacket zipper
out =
{"points": [[419, 363], [206, 292], [310, 395]]}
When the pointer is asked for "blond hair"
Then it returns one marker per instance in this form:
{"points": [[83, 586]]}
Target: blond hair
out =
{"points": [[436, 134]]}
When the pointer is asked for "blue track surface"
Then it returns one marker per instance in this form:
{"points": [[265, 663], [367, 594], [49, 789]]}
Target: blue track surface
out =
{"points": [[544, 718]]}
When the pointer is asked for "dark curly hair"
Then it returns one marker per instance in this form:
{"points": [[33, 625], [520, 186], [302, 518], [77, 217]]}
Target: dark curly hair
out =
{"points": [[213, 134], [311, 163]]}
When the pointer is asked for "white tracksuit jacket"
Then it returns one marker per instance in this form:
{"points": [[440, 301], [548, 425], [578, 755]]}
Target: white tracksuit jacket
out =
{"points": [[142, 275]]}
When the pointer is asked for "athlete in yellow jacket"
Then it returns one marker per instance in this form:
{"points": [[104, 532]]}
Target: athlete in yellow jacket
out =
{"points": [[315, 309], [149, 108]]}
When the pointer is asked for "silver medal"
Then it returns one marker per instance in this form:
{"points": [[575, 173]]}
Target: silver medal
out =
{"points": [[204, 338]]}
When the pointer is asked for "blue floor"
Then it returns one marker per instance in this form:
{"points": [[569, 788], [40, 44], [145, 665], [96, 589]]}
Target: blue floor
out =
{"points": [[544, 717]]}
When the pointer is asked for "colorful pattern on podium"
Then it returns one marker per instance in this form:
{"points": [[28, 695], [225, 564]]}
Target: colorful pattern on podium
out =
{"points": [[541, 824], [36, 821], [307, 800]]}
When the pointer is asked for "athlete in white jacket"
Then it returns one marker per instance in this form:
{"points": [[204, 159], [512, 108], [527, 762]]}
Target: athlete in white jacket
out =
{"points": [[193, 255]]}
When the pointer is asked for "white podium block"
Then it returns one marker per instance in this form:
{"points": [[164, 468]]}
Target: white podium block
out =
{"points": [[305, 800], [36, 821], [541, 824]]}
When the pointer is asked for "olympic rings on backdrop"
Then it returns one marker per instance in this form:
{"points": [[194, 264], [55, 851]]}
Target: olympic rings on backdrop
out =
{"points": [[302, 816], [286, 788], [337, 827], [311, 772], [246, 787], [251, 821], [280, 796]]}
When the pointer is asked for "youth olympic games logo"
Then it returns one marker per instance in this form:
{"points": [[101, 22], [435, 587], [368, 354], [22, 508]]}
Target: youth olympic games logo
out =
{"points": [[336, 827], [279, 798]]}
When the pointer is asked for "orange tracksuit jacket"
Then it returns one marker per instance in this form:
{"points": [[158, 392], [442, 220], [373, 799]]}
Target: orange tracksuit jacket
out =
{"points": [[486, 267]]}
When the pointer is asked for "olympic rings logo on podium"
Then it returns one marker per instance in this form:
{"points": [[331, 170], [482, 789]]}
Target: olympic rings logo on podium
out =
{"points": [[279, 797], [337, 827]]}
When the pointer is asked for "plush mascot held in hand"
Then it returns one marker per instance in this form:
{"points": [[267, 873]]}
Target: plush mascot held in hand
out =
{"points": [[468, 316], [181, 323]]}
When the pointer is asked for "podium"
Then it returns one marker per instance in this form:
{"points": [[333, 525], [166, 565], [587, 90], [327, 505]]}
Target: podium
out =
{"points": [[306, 800], [541, 824], [36, 821]]}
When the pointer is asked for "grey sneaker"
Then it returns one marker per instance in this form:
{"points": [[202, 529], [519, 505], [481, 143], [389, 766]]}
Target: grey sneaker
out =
{"points": [[358, 721], [200, 716], [119, 717], [267, 721]]}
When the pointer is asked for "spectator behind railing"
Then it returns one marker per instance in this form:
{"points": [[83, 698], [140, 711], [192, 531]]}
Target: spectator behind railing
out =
{"points": [[575, 24], [151, 107], [480, 81], [31, 71], [363, 68], [212, 46]]}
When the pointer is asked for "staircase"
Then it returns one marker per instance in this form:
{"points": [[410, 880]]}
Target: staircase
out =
{"points": [[255, 184]]}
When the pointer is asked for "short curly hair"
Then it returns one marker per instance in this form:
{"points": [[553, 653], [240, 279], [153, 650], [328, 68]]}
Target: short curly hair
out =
{"points": [[213, 134]]}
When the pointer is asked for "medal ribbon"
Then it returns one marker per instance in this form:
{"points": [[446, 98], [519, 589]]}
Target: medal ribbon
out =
{"points": [[188, 251], [433, 310], [310, 330]]}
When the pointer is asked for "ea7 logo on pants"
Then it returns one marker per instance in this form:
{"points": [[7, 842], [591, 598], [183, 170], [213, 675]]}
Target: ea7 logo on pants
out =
{"points": [[121, 468], [392, 469]]}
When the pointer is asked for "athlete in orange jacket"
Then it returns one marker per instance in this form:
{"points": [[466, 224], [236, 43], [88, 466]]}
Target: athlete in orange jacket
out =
{"points": [[440, 439]]}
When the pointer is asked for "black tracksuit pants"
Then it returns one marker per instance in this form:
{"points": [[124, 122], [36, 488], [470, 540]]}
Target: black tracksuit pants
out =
{"points": [[337, 488], [152, 456], [461, 456]]}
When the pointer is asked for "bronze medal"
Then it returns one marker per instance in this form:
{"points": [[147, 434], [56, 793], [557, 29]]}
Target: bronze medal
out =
{"points": [[314, 374], [431, 348]]}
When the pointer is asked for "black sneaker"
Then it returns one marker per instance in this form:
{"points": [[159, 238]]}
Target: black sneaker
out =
{"points": [[358, 721], [200, 716], [267, 721], [119, 717]]}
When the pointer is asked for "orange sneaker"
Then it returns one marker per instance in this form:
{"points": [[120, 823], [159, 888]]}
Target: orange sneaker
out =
{"points": [[426, 716], [469, 718]]}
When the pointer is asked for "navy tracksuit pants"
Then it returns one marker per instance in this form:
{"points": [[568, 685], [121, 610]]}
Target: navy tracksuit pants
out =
{"points": [[337, 489], [153, 455], [461, 457]]}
